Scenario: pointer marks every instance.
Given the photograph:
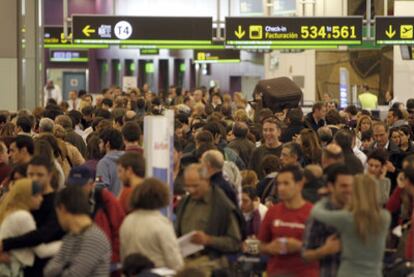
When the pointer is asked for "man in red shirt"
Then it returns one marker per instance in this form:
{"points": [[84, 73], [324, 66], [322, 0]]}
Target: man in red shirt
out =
{"points": [[282, 229]]}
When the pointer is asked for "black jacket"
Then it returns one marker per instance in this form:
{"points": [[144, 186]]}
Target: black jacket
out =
{"points": [[244, 148], [310, 122]]}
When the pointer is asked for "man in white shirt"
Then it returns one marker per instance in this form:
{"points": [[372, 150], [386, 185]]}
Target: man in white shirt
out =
{"points": [[73, 101], [52, 91]]}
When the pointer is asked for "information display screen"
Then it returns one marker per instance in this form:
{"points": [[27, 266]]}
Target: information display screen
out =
{"points": [[68, 56], [294, 31], [394, 30]]}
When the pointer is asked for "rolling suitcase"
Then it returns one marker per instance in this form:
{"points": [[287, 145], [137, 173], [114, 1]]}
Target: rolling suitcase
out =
{"points": [[279, 93]]}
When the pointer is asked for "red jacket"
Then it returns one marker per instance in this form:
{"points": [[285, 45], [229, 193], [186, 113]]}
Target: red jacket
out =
{"points": [[109, 216]]}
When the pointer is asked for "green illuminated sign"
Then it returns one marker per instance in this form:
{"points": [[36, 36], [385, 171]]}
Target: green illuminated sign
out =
{"points": [[151, 51], [149, 68], [132, 67], [182, 67], [293, 31]]}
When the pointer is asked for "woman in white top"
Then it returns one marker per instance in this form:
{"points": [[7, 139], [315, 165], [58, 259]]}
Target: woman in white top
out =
{"points": [[146, 231], [16, 219]]}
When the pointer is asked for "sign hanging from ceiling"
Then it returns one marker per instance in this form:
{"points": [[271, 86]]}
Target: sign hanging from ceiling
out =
{"points": [[68, 55], [53, 37], [141, 30], [394, 30], [217, 56], [294, 31]]}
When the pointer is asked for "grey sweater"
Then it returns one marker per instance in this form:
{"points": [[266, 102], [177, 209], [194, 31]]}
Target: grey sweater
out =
{"points": [[358, 258]]}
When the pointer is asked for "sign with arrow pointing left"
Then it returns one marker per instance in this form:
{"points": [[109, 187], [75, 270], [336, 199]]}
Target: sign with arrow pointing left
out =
{"points": [[394, 30]]}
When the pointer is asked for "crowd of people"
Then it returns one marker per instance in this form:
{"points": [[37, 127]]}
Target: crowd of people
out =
{"points": [[328, 193]]}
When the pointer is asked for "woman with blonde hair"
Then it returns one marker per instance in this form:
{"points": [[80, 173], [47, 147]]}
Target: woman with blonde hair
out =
{"points": [[364, 124], [362, 228], [15, 220]]}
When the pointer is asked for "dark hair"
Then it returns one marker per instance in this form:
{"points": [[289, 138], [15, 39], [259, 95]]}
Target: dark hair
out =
{"points": [[367, 135], [294, 149], [133, 160], [136, 263], [57, 152], [23, 141], [204, 137], [295, 116], [108, 102], [396, 112], [178, 146], [75, 116], [74, 200], [409, 159], [270, 163], [3, 118], [182, 118], [393, 130], [409, 174], [52, 111], [344, 139], [317, 106], [18, 168], [406, 130], [296, 171], [92, 148], [88, 110], [103, 113], [215, 128], [41, 161], [250, 191], [240, 130], [24, 123], [379, 155], [131, 131], [151, 194], [333, 117], [352, 109], [113, 136], [333, 171], [271, 120]]}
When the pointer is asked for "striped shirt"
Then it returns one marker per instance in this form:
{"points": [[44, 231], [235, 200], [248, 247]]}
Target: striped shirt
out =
{"points": [[87, 254]]}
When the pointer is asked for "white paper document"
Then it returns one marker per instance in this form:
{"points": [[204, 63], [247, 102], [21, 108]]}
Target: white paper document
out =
{"points": [[187, 247]]}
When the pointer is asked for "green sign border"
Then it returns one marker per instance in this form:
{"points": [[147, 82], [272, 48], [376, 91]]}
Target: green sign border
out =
{"points": [[218, 61], [75, 46]]}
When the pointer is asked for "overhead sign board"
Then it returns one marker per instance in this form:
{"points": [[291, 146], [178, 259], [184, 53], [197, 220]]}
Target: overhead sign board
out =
{"points": [[68, 56], [394, 30], [294, 31], [149, 51], [54, 37], [141, 30], [217, 56]]}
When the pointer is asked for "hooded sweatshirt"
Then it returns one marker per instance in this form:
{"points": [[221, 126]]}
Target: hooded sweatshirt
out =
{"points": [[106, 171]]}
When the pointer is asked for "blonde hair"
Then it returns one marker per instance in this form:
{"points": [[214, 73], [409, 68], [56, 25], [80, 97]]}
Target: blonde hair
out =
{"points": [[362, 118], [365, 207], [18, 198], [249, 178], [241, 115]]}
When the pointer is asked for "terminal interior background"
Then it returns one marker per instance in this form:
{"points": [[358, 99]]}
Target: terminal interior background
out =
{"points": [[25, 63]]}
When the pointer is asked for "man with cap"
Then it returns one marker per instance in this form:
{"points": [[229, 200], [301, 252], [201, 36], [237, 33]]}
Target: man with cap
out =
{"points": [[105, 209]]}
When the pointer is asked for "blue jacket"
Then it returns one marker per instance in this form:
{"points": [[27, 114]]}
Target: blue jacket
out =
{"points": [[106, 171]]}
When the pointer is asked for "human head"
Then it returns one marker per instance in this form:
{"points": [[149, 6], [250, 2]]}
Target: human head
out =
{"points": [[271, 132], [64, 121], [394, 135], [380, 134], [25, 194], [151, 194], [213, 160], [405, 135], [93, 151], [203, 137], [24, 124], [376, 161], [332, 154], [131, 132], [82, 177], [295, 116], [344, 138], [325, 135], [198, 96], [340, 181], [46, 125], [240, 130], [40, 170], [249, 178], [290, 183], [130, 165], [331, 105], [248, 197], [21, 149], [319, 110], [136, 263], [364, 123], [270, 164], [393, 115], [111, 139], [291, 154], [71, 203], [216, 129], [367, 139], [196, 181], [73, 95], [107, 103]]}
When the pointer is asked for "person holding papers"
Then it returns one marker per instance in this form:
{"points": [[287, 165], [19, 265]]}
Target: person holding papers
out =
{"points": [[155, 238], [211, 217]]}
